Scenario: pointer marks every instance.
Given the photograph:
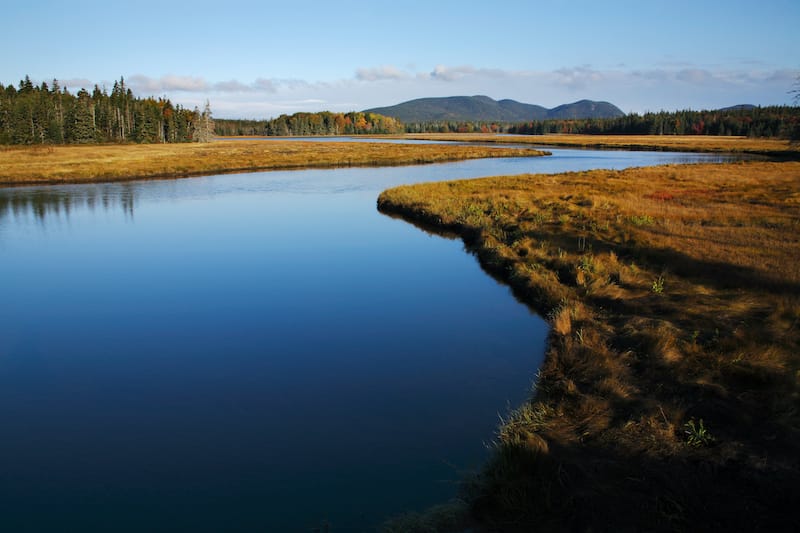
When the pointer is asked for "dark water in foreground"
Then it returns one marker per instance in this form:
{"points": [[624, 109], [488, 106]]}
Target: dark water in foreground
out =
{"points": [[254, 352]]}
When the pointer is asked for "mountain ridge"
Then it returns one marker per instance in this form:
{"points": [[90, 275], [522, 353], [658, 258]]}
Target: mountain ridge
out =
{"points": [[481, 108]]}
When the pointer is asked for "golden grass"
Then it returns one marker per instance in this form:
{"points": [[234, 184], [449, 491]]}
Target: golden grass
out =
{"points": [[675, 143], [674, 295], [58, 164]]}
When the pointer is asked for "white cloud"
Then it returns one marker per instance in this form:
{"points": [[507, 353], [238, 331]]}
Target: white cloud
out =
{"points": [[782, 76], [444, 73], [716, 78], [694, 75], [386, 72], [145, 85], [75, 84], [577, 78], [183, 83], [233, 86], [262, 84], [660, 87]]}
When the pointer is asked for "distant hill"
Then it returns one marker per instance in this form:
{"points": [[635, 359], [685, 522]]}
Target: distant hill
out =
{"points": [[740, 107], [485, 109]]}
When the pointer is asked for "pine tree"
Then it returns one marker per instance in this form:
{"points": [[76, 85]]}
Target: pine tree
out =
{"points": [[81, 128]]}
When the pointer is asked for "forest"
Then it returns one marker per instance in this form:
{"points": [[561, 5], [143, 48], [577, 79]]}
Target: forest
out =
{"points": [[323, 123], [746, 121], [50, 114]]}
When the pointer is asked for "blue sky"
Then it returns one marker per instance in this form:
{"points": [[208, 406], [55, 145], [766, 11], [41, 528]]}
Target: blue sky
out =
{"points": [[256, 59]]}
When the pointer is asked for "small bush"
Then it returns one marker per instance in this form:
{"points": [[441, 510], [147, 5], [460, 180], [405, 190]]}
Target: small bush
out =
{"points": [[658, 285], [642, 220], [697, 434]]}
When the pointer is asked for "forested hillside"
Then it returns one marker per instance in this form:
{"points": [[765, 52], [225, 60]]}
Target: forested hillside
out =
{"points": [[49, 114], [484, 109]]}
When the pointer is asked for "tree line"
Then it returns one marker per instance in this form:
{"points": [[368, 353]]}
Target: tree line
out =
{"points": [[50, 114], [322, 123], [771, 121], [454, 126]]}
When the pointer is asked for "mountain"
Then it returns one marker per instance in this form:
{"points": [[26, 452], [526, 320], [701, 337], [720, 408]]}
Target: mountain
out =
{"points": [[585, 109], [740, 107], [485, 109]]}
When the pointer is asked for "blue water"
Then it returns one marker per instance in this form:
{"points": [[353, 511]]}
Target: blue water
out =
{"points": [[252, 352]]}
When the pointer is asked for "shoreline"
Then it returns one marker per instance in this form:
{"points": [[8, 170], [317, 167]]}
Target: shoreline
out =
{"points": [[50, 165], [774, 148], [108, 163], [670, 369]]}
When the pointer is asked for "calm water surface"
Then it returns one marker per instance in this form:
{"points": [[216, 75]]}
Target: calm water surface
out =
{"points": [[250, 352]]}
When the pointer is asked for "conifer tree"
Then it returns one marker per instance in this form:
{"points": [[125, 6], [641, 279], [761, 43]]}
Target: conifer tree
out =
{"points": [[81, 122]]}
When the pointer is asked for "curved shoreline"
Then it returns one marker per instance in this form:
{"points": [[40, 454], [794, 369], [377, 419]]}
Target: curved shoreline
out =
{"points": [[647, 336], [773, 148], [47, 165]]}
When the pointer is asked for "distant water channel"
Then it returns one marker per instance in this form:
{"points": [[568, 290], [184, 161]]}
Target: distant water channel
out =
{"points": [[252, 352]]}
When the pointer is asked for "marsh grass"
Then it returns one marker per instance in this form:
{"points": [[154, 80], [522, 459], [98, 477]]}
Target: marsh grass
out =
{"points": [[674, 143], [59, 164], [693, 314]]}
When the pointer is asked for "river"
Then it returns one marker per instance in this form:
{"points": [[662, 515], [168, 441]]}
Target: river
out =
{"points": [[247, 352]]}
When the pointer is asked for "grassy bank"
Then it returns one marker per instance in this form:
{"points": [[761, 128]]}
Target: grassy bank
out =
{"points": [[672, 143], [61, 164], [668, 399]]}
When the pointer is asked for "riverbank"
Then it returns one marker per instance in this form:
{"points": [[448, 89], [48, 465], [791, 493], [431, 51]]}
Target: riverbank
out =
{"points": [[100, 163], [668, 398], [673, 143]]}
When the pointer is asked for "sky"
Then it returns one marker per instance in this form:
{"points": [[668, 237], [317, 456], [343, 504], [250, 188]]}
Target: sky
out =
{"points": [[261, 59]]}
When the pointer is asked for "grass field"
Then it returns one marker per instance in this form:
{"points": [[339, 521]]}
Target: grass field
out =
{"points": [[669, 399], [60, 164], [679, 143]]}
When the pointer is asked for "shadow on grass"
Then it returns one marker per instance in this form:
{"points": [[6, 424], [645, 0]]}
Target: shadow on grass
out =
{"points": [[599, 465], [599, 488]]}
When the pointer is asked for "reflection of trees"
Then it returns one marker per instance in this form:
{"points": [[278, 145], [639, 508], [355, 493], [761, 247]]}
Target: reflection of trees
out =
{"points": [[55, 203]]}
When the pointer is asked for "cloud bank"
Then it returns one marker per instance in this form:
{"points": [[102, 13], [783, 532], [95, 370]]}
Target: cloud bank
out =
{"points": [[669, 87]]}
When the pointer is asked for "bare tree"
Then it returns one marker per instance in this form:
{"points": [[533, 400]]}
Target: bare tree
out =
{"points": [[204, 127], [794, 134]]}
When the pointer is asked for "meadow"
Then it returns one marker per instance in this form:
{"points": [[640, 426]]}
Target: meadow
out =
{"points": [[669, 395], [116, 162]]}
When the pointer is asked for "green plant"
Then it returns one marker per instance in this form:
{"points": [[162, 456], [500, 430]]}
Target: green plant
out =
{"points": [[539, 219], [642, 220], [587, 264], [697, 434], [658, 285]]}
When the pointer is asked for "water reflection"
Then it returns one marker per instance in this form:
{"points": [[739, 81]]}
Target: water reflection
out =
{"points": [[55, 204]]}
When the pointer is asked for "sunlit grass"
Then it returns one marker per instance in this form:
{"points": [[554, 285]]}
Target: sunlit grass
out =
{"points": [[57, 164], [674, 294], [681, 143]]}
